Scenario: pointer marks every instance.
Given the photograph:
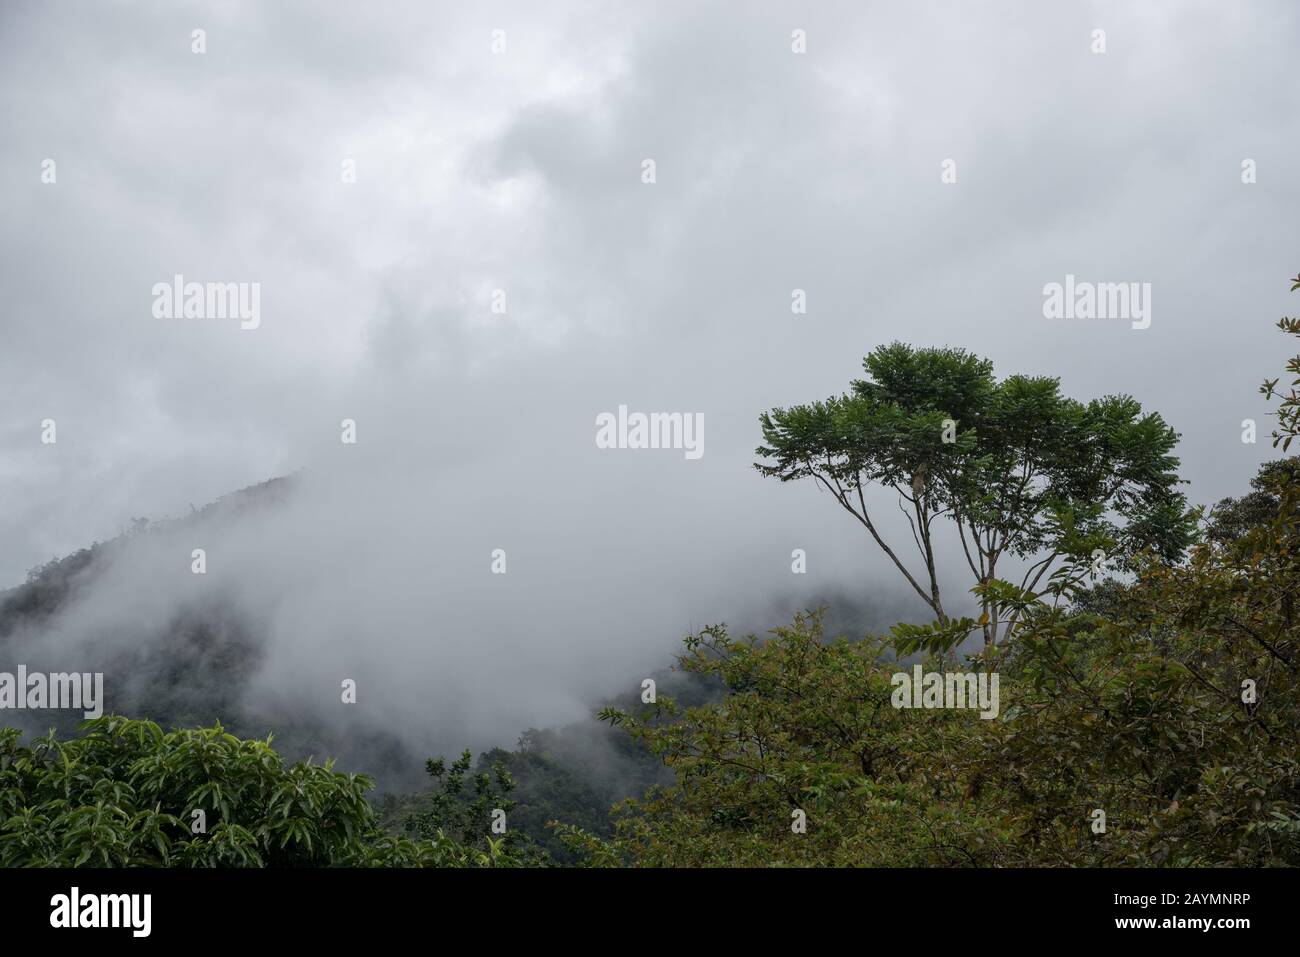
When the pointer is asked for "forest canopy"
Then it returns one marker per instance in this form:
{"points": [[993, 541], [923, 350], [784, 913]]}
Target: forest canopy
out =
{"points": [[1150, 718]]}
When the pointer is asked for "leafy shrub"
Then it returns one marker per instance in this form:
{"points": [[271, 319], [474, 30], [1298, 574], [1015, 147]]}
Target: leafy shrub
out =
{"points": [[123, 793]]}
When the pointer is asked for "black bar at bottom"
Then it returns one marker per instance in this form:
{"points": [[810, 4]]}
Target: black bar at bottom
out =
{"points": [[374, 905]]}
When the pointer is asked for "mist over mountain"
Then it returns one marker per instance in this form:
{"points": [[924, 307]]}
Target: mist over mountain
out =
{"points": [[264, 637], [413, 381]]}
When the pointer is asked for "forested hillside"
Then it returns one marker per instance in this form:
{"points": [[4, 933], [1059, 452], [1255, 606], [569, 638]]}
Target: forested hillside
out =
{"points": [[1144, 706]]}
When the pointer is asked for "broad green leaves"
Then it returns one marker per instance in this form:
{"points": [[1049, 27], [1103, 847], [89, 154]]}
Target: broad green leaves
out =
{"points": [[124, 793]]}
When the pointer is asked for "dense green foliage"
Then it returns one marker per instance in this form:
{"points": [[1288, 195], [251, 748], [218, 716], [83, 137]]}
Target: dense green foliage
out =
{"points": [[1169, 704], [557, 780], [124, 794], [1153, 720], [1177, 714], [574, 774], [473, 811]]}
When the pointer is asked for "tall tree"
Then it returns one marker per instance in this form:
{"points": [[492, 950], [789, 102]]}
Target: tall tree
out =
{"points": [[1018, 469]]}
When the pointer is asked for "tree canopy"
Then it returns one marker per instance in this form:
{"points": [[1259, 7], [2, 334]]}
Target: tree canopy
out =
{"points": [[124, 793], [1018, 470]]}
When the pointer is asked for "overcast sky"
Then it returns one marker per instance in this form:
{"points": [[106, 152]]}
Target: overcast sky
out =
{"points": [[521, 169]]}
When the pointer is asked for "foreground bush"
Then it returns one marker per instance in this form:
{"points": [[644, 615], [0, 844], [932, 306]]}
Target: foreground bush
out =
{"points": [[123, 793]]}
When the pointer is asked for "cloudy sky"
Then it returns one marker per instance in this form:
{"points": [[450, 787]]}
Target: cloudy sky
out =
{"points": [[520, 169]]}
